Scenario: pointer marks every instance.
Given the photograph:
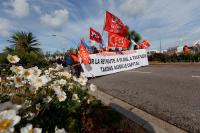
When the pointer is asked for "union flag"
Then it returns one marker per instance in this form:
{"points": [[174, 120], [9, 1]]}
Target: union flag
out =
{"points": [[144, 44], [116, 41], [84, 54], [114, 24], [95, 36]]}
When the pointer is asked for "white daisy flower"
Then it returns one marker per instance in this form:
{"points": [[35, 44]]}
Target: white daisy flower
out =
{"points": [[47, 99], [51, 69], [58, 67], [18, 81], [82, 81], [92, 87], [66, 74], [75, 97], [57, 130], [9, 106], [13, 59], [71, 85], [17, 69], [75, 78], [28, 73], [38, 81], [8, 119], [29, 129], [61, 96], [62, 82], [36, 71], [46, 72], [59, 93]]}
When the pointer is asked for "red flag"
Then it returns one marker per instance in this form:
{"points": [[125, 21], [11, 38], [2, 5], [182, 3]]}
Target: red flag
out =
{"points": [[95, 36], [114, 24], [84, 54], [144, 44], [115, 40]]}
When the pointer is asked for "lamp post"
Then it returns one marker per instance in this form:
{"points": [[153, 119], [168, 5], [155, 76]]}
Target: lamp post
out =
{"points": [[66, 38]]}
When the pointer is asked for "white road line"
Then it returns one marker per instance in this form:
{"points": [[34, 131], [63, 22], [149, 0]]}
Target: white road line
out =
{"points": [[196, 76], [138, 72]]}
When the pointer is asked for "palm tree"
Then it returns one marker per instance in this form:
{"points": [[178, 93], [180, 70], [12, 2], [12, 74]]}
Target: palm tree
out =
{"points": [[23, 41], [133, 35]]}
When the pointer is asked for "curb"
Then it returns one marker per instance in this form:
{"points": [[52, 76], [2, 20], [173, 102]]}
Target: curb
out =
{"points": [[150, 123]]}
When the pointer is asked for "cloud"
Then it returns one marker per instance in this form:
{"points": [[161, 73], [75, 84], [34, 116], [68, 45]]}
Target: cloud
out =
{"points": [[19, 8], [5, 26], [37, 9], [55, 19], [133, 7]]}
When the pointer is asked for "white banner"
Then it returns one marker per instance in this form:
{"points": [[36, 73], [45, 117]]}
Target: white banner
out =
{"points": [[112, 62]]}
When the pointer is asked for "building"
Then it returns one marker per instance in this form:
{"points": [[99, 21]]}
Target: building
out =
{"points": [[175, 50], [151, 52]]}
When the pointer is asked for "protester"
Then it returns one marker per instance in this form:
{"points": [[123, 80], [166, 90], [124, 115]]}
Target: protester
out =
{"points": [[68, 61], [94, 50], [76, 64]]}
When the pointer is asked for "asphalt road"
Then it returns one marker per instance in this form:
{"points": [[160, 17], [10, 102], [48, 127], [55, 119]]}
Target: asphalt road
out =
{"points": [[170, 92]]}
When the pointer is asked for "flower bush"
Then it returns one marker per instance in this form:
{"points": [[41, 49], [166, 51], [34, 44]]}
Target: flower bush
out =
{"points": [[49, 100]]}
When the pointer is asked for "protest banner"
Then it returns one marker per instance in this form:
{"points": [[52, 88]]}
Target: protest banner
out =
{"points": [[112, 62]]}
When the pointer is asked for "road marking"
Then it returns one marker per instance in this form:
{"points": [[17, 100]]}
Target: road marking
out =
{"points": [[139, 72], [196, 76]]}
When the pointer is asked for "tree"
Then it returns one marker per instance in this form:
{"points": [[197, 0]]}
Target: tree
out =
{"points": [[23, 41], [133, 35]]}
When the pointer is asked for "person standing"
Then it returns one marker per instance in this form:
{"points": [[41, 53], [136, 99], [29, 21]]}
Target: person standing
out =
{"points": [[68, 61], [76, 65]]}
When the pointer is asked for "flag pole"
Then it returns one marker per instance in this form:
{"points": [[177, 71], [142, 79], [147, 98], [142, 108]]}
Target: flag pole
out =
{"points": [[103, 26]]}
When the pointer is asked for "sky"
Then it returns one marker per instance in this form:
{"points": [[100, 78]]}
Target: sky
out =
{"points": [[171, 22]]}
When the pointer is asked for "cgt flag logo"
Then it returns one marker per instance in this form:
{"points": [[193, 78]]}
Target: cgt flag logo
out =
{"points": [[115, 40], [114, 24], [95, 36], [84, 54]]}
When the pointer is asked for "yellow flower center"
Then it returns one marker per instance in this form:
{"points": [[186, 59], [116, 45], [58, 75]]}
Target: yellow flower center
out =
{"points": [[27, 73], [39, 81], [17, 70], [12, 58], [61, 97], [31, 131], [18, 80], [4, 125]]}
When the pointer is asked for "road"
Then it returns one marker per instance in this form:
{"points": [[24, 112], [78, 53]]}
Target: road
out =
{"points": [[170, 92]]}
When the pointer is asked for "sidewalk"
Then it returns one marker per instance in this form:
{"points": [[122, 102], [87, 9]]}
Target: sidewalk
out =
{"points": [[173, 63]]}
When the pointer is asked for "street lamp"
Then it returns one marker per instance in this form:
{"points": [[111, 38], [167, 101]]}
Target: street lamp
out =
{"points": [[66, 38]]}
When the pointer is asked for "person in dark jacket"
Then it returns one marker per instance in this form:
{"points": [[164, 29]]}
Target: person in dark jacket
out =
{"points": [[68, 61]]}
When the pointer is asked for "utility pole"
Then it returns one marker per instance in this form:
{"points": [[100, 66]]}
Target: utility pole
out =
{"points": [[160, 46]]}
